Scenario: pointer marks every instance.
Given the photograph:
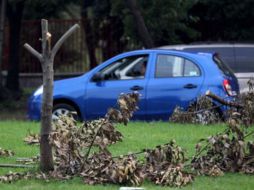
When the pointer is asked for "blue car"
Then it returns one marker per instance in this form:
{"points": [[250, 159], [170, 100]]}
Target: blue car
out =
{"points": [[165, 79]]}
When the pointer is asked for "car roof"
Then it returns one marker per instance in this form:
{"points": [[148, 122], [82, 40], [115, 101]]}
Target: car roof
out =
{"points": [[206, 45], [175, 52]]}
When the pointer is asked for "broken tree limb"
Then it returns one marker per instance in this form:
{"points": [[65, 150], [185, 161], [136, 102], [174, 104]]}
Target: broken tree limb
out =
{"points": [[222, 101], [200, 111], [16, 166], [33, 52], [63, 38]]}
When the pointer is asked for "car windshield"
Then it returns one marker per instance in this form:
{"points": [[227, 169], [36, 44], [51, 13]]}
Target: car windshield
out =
{"points": [[222, 66], [127, 68]]}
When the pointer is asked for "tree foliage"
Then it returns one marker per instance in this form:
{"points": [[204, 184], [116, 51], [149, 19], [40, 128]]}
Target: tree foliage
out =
{"points": [[167, 21], [227, 20], [36, 9]]}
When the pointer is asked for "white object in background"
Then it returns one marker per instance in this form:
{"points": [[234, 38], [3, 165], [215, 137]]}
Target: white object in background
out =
{"points": [[131, 188]]}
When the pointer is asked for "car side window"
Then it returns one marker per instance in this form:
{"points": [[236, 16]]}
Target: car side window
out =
{"points": [[174, 66], [190, 69], [132, 67]]}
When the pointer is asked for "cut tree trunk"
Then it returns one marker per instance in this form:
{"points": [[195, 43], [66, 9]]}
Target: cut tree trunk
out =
{"points": [[47, 61]]}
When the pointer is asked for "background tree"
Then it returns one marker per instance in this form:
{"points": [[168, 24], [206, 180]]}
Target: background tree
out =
{"points": [[168, 22], [110, 29], [87, 23], [14, 13], [227, 20], [30, 9], [2, 23], [141, 28], [102, 30]]}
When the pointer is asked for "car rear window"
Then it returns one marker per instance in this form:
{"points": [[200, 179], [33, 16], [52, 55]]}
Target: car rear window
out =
{"points": [[222, 66]]}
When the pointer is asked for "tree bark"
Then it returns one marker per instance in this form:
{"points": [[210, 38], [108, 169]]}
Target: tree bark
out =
{"points": [[46, 163], [140, 24], [14, 14], [89, 35], [47, 61]]}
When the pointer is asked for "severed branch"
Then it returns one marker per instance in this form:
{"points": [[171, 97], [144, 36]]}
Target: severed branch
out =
{"points": [[33, 51], [91, 144], [130, 154], [56, 47], [63, 38], [222, 101], [15, 166]]}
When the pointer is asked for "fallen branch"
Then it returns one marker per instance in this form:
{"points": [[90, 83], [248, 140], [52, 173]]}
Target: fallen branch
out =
{"points": [[130, 154], [249, 134], [92, 143], [201, 111], [222, 101], [16, 166]]}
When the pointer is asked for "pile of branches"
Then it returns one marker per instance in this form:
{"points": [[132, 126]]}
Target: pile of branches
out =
{"points": [[102, 168], [165, 166], [229, 151], [202, 111], [82, 150], [247, 100], [72, 144]]}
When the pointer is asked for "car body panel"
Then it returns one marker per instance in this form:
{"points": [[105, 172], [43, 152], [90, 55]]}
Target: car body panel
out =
{"points": [[159, 96]]}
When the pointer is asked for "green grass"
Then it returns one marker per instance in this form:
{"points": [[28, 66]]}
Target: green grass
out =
{"points": [[137, 135]]}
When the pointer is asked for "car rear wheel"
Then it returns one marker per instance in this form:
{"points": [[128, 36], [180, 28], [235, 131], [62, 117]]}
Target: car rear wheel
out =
{"points": [[64, 109]]}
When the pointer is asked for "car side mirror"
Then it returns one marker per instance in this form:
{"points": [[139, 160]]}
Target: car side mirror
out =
{"points": [[97, 77]]}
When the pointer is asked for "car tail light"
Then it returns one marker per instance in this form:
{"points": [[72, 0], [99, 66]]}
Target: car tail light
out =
{"points": [[227, 87]]}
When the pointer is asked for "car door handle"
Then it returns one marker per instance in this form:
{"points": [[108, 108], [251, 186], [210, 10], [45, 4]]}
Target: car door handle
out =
{"points": [[136, 88], [190, 86]]}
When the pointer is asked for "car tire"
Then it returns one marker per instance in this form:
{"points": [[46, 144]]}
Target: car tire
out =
{"points": [[64, 109]]}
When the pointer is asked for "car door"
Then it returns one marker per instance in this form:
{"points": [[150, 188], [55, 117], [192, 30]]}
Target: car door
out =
{"points": [[121, 76], [175, 82]]}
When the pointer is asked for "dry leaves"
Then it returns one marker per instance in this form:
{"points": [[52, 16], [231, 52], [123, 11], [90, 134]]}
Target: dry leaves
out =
{"points": [[165, 166], [226, 152], [32, 138], [102, 168], [6, 153], [72, 144], [202, 111]]}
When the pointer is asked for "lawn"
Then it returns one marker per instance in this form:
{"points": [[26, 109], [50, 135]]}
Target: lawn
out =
{"points": [[137, 135]]}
